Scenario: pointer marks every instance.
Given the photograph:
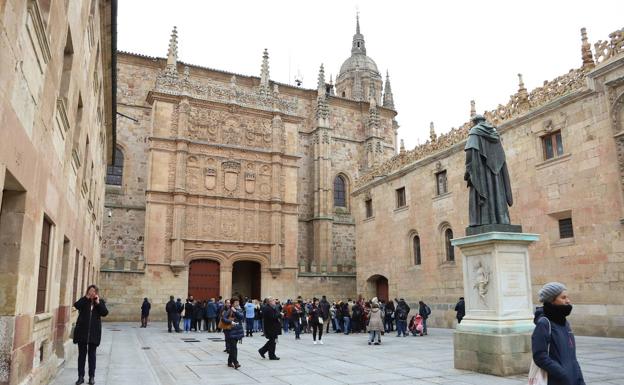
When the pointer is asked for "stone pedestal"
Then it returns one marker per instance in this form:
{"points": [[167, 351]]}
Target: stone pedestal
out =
{"points": [[495, 335]]}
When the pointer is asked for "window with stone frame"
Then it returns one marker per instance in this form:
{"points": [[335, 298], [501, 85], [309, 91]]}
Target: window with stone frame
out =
{"points": [[552, 145], [565, 228], [340, 190], [416, 249], [114, 173], [441, 182], [400, 197], [449, 249], [369, 207], [44, 254]]}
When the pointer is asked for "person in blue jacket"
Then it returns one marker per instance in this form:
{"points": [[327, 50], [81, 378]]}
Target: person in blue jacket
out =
{"points": [[553, 344], [233, 315]]}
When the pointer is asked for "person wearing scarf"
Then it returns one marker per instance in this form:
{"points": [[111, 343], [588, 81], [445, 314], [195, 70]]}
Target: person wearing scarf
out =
{"points": [[553, 344]]}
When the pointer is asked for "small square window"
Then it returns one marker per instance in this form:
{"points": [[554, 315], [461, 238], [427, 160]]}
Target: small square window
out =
{"points": [[442, 186], [400, 197], [369, 208], [565, 228], [553, 145]]}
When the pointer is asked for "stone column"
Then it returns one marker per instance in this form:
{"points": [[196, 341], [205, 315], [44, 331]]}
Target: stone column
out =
{"points": [[495, 335], [225, 281]]}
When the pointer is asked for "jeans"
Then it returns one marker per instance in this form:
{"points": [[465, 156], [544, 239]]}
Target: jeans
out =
{"points": [[347, 325], [257, 327], [212, 324], [335, 325], [232, 349], [249, 326], [388, 325], [187, 324], [401, 327], [297, 327], [83, 351], [317, 326], [372, 334], [286, 325]]}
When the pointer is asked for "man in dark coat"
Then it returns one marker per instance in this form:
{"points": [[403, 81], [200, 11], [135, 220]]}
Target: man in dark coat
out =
{"points": [[272, 328], [145, 309], [172, 315], [401, 313], [460, 308], [325, 306], [487, 175], [88, 330], [425, 311]]}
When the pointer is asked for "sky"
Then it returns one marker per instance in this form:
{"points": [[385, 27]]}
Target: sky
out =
{"points": [[439, 54]]}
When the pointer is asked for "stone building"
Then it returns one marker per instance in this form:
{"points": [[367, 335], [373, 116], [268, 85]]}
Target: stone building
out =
{"points": [[56, 136], [565, 153], [228, 184]]}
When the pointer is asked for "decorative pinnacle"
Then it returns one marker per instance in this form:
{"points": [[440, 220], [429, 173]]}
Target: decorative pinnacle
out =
{"points": [[172, 53], [321, 81], [402, 148], [432, 133], [473, 110], [357, 22], [586, 53], [264, 70], [388, 99], [520, 82]]}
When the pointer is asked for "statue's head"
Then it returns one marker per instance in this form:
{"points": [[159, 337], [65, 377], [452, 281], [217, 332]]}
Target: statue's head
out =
{"points": [[478, 119]]}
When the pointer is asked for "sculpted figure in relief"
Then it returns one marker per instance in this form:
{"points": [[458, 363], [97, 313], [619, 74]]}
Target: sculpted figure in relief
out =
{"points": [[482, 279]]}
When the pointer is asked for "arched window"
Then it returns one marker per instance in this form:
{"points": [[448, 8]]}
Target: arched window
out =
{"points": [[416, 249], [340, 192], [114, 173], [450, 250]]}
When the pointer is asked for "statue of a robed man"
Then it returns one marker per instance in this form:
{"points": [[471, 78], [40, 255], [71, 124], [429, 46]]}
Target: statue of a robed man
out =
{"points": [[488, 180]]}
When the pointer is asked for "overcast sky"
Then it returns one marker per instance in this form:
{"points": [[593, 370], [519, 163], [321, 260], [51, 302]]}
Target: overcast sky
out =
{"points": [[440, 54]]}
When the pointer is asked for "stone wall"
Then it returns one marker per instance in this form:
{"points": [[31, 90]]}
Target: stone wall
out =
{"points": [[56, 137], [584, 184]]}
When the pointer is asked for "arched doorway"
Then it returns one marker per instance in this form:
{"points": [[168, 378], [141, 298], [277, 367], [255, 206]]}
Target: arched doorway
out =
{"points": [[378, 286], [203, 279], [246, 278]]}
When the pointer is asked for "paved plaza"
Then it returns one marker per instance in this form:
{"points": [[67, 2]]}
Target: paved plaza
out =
{"points": [[131, 355]]}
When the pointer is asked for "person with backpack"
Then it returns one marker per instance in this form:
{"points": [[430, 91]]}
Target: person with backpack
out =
{"points": [[388, 316], [553, 344], [188, 314], [401, 313], [179, 308], [424, 310], [145, 310], [211, 314]]}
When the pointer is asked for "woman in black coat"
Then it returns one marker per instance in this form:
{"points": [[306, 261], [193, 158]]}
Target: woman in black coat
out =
{"points": [[88, 330]]}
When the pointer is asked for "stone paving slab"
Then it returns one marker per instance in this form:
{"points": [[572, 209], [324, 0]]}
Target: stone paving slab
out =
{"points": [[152, 356]]}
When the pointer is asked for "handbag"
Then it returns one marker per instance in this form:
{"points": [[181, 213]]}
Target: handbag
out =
{"points": [[225, 326], [537, 375], [320, 320]]}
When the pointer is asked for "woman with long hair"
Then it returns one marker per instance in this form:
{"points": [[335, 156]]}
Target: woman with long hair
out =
{"points": [[88, 331], [232, 319], [316, 321]]}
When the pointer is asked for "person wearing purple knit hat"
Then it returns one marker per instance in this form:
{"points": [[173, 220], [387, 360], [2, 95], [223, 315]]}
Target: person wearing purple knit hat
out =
{"points": [[553, 344]]}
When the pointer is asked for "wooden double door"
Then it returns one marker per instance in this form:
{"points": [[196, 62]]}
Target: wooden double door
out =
{"points": [[204, 279]]}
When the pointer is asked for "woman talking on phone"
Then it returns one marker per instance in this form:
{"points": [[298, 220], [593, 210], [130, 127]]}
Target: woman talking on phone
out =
{"points": [[88, 330]]}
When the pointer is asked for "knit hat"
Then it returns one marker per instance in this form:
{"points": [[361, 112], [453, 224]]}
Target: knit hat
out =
{"points": [[374, 300], [550, 291]]}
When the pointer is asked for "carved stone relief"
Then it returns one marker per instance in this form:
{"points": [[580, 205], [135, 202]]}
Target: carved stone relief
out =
{"points": [[231, 169], [481, 280]]}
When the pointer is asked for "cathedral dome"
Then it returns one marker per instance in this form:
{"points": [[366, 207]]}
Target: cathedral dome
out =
{"points": [[361, 62]]}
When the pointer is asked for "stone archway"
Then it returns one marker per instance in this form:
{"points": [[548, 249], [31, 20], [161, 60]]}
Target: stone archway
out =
{"points": [[378, 287], [246, 279], [204, 279]]}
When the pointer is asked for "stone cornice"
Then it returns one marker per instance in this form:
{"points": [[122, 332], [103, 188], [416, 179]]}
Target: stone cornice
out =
{"points": [[151, 196]]}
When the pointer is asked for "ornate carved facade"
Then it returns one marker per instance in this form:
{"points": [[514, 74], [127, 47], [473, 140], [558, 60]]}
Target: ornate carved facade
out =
{"points": [[239, 169]]}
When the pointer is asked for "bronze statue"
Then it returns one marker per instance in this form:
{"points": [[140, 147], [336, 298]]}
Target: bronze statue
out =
{"points": [[488, 180]]}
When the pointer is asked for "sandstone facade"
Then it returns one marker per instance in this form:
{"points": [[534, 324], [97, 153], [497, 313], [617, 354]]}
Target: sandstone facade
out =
{"points": [[56, 136], [228, 181], [570, 194]]}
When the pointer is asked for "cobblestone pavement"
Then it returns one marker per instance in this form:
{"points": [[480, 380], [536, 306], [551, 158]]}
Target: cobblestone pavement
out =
{"points": [[131, 355]]}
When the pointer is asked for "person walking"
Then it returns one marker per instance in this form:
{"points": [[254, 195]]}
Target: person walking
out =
{"points": [[553, 343], [211, 313], [88, 331], [250, 313], [188, 315], [296, 315], [145, 309], [425, 311], [460, 308], [232, 318], [316, 321], [172, 315], [272, 328], [375, 322], [401, 313]]}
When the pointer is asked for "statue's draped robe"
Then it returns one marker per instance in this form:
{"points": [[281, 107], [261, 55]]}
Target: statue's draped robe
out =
{"points": [[487, 176]]}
